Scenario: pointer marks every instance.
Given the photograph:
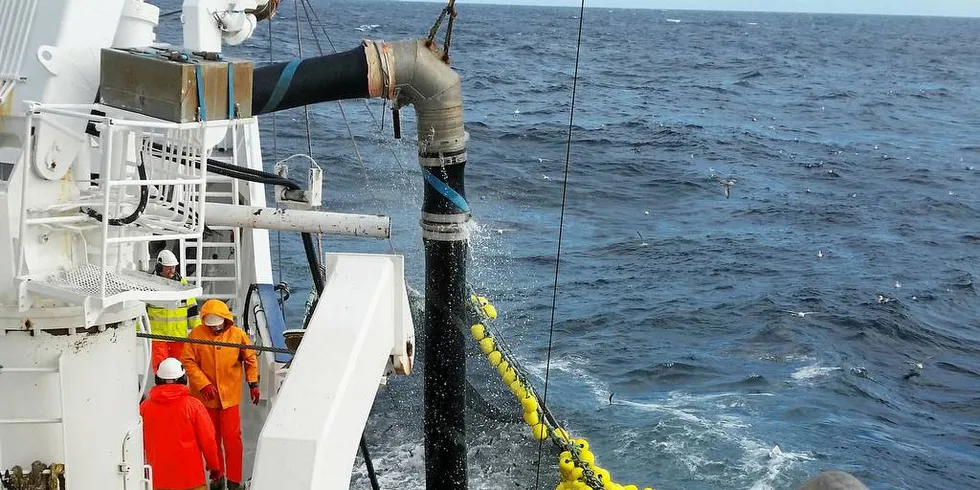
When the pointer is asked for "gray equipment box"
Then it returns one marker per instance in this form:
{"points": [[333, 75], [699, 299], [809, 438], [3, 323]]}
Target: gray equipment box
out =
{"points": [[164, 83]]}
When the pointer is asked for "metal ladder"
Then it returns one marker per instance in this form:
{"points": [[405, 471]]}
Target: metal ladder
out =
{"points": [[147, 477], [219, 250], [222, 249], [61, 394]]}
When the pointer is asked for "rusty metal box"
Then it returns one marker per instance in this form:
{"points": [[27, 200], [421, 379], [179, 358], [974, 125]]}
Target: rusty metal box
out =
{"points": [[163, 83]]}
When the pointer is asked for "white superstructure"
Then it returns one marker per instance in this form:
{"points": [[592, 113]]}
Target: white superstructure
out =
{"points": [[89, 192]]}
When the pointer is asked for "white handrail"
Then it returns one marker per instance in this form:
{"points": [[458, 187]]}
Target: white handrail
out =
{"points": [[147, 350]]}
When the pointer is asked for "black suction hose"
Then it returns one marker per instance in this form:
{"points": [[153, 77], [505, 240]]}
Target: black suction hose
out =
{"points": [[280, 86]]}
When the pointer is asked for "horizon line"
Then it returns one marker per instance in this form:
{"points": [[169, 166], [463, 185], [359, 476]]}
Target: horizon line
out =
{"points": [[617, 7]]}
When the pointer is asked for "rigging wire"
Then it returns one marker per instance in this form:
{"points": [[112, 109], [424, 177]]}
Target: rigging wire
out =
{"points": [[306, 108], [275, 157], [367, 107], [316, 39], [343, 113], [561, 224], [334, 48], [308, 8]]}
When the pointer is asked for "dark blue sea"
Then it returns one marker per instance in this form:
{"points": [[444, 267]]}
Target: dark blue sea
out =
{"points": [[854, 144]]}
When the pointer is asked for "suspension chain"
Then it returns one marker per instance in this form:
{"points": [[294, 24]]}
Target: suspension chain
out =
{"points": [[430, 40]]}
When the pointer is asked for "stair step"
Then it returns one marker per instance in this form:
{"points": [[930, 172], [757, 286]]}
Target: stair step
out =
{"points": [[28, 370], [56, 420]]}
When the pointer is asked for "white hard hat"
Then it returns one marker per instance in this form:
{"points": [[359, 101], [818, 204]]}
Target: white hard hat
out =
{"points": [[170, 368], [213, 320], [167, 258]]}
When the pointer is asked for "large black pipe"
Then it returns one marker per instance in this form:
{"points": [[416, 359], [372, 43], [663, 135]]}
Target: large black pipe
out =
{"points": [[445, 362], [413, 73], [300, 82]]}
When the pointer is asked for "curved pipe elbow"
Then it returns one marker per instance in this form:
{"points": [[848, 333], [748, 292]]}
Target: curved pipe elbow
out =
{"points": [[412, 73], [405, 72]]}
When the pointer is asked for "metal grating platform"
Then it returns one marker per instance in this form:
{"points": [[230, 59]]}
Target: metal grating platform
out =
{"points": [[86, 281], [82, 286]]}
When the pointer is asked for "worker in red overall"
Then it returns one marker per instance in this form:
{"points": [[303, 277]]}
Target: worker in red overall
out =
{"points": [[177, 431]]}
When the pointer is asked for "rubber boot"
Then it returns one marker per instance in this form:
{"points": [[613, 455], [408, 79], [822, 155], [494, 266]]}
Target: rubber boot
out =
{"points": [[234, 486]]}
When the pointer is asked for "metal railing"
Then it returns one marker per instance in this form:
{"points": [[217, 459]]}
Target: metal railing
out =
{"points": [[151, 186]]}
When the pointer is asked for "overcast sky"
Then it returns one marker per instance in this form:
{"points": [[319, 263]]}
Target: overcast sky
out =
{"points": [[970, 8]]}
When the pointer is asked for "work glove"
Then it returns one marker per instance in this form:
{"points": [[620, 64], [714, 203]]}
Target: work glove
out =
{"points": [[254, 392], [209, 392]]}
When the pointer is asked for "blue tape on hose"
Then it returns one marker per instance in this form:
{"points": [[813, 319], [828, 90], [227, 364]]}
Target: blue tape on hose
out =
{"points": [[446, 191], [231, 90], [200, 91], [285, 78]]}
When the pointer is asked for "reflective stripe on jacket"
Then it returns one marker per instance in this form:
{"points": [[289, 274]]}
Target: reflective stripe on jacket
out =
{"points": [[174, 322], [177, 431], [220, 366]]}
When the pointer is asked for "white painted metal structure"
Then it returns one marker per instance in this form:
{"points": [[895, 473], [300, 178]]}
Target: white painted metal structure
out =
{"points": [[75, 252], [310, 438]]}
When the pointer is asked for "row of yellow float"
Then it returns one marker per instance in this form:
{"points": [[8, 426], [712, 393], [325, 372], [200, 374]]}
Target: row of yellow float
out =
{"points": [[576, 463]]}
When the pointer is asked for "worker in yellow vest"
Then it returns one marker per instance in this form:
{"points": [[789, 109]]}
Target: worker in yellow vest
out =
{"points": [[170, 320]]}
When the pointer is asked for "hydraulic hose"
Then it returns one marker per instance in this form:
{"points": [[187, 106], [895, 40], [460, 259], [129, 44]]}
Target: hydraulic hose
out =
{"points": [[144, 198]]}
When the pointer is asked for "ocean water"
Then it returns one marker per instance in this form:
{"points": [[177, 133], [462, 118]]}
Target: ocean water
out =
{"points": [[854, 143]]}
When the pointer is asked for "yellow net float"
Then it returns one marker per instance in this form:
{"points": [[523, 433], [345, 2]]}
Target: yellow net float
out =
{"points": [[565, 467], [495, 358], [572, 464], [486, 345], [517, 388], [490, 311], [484, 306], [602, 475], [529, 403], [540, 431]]}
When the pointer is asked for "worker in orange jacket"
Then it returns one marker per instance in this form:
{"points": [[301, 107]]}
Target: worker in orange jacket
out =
{"points": [[215, 374], [176, 431]]}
